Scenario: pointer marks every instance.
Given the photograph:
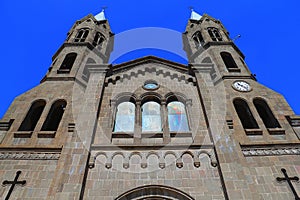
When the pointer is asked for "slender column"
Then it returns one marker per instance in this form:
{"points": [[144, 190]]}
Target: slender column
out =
{"points": [[113, 111], [165, 122], [138, 123], [188, 104]]}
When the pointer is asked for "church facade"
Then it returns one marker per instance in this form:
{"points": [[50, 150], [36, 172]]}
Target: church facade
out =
{"points": [[149, 128]]}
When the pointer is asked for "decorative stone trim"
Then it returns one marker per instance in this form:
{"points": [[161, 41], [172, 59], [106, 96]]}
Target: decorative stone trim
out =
{"points": [[29, 156], [161, 155], [164, 72], [271, 151]]}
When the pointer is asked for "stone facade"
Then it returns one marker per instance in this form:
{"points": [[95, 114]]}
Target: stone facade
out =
{"points": [[219, 156]]}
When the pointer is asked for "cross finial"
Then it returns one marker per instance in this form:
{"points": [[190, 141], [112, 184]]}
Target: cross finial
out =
{"points": [[104, 8], [191, 8]]}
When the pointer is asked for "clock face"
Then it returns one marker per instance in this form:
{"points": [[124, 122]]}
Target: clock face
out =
{"points": [[241, 86]]}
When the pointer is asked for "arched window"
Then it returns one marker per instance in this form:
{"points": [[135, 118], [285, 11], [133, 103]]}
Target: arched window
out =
{"points": [[81, 35], [266, 114], [154, 192], [245, 114], [125, 117], [67, 63], [151, 118], [98, 40], [198, 39], [214, 34], [228, 60], [177, 117], [33, 116], [54, 116]]}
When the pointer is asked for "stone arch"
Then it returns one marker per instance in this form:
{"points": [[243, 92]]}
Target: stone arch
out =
{"points": [[55, 115], [33, 115], [266, 113], [155, 192]]}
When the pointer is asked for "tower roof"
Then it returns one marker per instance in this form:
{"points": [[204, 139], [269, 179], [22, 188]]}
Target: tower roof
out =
{"points": [[195, 15], [100, 16]]}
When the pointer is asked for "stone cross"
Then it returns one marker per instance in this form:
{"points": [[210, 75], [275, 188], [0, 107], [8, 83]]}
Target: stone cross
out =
{"points": [[289, 180], [13, 184]]}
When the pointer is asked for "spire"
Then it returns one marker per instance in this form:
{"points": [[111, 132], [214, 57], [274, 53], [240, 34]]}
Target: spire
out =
{"points": [[100, 16], [194, 15]]}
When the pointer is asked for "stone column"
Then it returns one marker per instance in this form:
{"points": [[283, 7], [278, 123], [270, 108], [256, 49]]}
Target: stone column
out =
{"points": [[165, 122], [138, 123]]}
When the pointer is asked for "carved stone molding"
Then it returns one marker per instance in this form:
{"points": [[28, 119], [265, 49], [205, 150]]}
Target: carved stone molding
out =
{"points": [[272, 151], [8, 155], [161, 156]]}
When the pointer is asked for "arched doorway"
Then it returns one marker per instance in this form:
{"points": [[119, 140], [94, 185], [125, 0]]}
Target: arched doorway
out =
{"points": [[154, 192]]}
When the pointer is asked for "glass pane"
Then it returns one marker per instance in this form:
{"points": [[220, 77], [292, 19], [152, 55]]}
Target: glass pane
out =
{"points": [[151, 119], [177, 117], [125, 117]]}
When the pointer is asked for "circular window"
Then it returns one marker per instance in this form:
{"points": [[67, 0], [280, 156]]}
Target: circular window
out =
{"points": [[151, 85]]}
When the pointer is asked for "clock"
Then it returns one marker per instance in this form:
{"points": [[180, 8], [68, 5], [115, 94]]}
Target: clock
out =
{"points": [[241, 86]]}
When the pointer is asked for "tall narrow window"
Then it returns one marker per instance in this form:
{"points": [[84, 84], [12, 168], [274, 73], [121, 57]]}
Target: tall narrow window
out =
{"points": [[177, 117], [245, 114], [67, 63], [217, 35], [214, 34], [266, 114], [32, 116], [151, 119], [54, 116], [81, 35], [228, 60], [125, 117], [98, 40], [198, 39]]}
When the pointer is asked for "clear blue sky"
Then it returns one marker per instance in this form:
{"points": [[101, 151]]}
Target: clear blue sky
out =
{"points": [[32, 30]]}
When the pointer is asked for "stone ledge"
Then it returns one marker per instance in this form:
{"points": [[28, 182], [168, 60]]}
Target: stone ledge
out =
{"points": [[276, 131], [253, 132], [23, 134], [46, 134]]}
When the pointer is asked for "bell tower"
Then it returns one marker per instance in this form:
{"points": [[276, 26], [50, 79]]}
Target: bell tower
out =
{"points": [[89, 41], [206, 40]]}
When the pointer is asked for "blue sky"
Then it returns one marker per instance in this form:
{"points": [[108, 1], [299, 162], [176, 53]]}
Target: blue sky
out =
{"points": [[33, 30]]}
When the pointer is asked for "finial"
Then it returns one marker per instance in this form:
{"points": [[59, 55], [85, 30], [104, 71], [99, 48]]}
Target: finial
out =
{"points": [[194, 15], [101, 16], [103, 8]]}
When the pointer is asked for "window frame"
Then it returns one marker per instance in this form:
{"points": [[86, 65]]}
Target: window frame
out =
{"points": [[81, 35]]}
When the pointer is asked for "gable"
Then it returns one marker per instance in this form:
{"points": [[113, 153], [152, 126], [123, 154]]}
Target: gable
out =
{"points": [[150, 64]]}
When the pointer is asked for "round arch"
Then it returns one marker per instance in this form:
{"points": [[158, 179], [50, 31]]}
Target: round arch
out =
{"points": [[156, 192]]}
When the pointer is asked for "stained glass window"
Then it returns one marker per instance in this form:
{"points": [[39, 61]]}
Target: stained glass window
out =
{"points": [[151, 119], [177, 117], [125, 117]]}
